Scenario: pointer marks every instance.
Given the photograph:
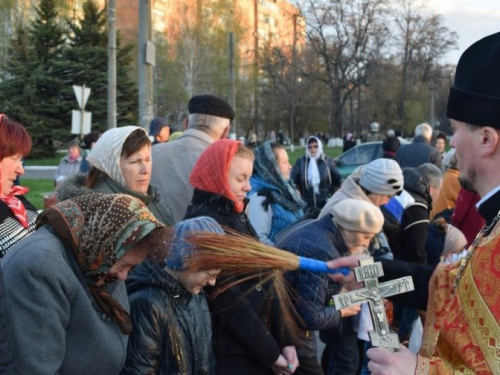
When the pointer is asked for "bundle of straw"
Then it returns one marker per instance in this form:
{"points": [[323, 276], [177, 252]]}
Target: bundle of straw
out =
{"points": [[236, 253]]}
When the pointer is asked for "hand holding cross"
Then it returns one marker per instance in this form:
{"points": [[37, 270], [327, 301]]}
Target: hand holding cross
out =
{"points": [[368, 272]]}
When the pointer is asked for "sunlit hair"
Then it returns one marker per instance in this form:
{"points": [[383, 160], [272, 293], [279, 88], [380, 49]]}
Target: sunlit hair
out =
{"points": [[423, 129], [275, 147], [134, 143], [14, 138], [245, 152]]}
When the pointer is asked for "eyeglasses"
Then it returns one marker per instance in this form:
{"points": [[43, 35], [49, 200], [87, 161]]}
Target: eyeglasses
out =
{"points": [[313, 146]]}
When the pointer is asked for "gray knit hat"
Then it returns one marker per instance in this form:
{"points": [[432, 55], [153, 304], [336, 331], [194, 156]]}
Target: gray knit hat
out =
{"points": [[382, 176], [358, 216], [180, 248]]}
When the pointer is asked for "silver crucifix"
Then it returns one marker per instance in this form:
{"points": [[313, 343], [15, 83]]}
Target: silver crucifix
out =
{"points": [[368, 272]]}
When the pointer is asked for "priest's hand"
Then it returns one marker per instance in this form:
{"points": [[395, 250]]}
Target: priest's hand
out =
{"points": [[384, 362]]}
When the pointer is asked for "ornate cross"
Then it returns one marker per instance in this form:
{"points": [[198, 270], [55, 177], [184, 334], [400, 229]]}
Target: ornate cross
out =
{"points": [[368, 272]]}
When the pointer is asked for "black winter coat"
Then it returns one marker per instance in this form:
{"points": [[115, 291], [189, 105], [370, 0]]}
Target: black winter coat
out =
{"points": [[408, 240], [248, 327], [172, 331], [330, 180], [221, 210]]}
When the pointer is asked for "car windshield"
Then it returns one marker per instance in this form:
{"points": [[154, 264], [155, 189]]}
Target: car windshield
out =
{"points": [[361, 154]]}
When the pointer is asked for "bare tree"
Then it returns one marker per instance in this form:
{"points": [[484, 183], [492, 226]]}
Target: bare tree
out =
{"points": [[347, 36], [422, 40]]}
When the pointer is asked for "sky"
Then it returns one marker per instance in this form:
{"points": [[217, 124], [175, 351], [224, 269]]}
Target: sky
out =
{"points": [[470, 19]]}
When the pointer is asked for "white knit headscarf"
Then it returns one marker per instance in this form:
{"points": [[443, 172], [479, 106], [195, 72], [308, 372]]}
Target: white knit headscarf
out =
{"points": [[313, 176], [106, 153]]}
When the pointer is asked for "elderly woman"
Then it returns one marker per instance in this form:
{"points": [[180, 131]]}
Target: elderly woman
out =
{"points": [[315, 176], [348, 229], [247, 327], [274, 203], [172, 325], [121, 163], [69, 165], [17, 214], [65, 289]]}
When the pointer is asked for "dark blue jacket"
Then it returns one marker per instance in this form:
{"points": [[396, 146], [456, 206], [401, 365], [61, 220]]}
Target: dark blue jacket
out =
{"points": [[418, 152], [317, 239]]}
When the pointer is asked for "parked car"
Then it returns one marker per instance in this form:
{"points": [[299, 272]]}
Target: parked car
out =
{"points": [[359, 155]]}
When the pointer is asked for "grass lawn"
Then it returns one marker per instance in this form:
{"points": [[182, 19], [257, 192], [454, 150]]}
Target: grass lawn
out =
{"points": [[332, 152], [37, 190]]}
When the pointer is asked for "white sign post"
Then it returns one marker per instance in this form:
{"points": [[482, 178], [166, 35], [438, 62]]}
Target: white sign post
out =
{"points": [[81, 120]]}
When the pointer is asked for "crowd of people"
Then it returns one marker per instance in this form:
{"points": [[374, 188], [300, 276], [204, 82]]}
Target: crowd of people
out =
{"points": [[99, 283]]}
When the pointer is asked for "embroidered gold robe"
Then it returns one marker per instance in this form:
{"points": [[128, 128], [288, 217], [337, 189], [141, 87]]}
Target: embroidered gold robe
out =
{"points": [[462, 332]]}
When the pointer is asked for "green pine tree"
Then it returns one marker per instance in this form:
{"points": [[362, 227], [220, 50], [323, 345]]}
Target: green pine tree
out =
{"points": [[31, 89], [86, 64]]}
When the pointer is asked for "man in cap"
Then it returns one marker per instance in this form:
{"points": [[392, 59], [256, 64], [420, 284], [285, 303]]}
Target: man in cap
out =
{"points": [[461, 332], [208, 121], [159, 130]]}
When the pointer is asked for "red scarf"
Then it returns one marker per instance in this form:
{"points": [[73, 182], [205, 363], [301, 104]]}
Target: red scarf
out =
{"points": [[210, 173], [16, 206]]}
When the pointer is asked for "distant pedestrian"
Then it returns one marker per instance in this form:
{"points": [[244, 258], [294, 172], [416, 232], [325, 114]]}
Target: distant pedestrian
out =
{"points": [[159, 130], [70, 163], [373, 135], [89, 141], [390, 145], [315, 175], [440, 143], [349, 142], [420, 151]]}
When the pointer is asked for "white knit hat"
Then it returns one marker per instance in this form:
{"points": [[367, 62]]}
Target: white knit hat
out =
{"points": [[382, 176], [358, 216]]}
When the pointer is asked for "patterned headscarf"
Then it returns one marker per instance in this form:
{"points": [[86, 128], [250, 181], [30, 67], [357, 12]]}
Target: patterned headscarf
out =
{"points": [[100, 229], [107, 151], [211, 171], [266, 167]]}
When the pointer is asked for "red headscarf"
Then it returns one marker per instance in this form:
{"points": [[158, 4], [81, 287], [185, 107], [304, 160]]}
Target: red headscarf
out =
{"points": [[211, 171]]}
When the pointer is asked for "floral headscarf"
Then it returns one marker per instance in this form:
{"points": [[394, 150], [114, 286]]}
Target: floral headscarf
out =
{"points": [[100, 229], [211, 171]]}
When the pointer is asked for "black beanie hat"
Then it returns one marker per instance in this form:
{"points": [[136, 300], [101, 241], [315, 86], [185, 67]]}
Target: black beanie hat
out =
{"points": [[210, 105], [475, 94]]}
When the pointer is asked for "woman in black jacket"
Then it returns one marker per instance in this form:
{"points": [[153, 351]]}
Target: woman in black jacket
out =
{"points": [[249, 334], [315, 175]]}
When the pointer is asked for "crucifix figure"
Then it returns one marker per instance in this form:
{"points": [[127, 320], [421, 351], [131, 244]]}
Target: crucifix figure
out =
{"points": [[368, 272]]}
